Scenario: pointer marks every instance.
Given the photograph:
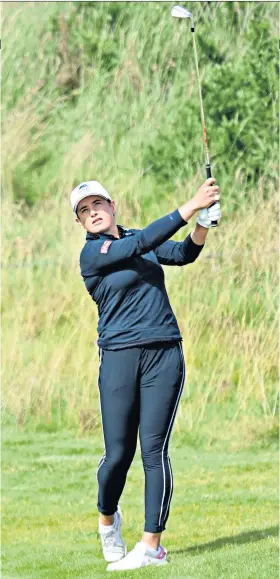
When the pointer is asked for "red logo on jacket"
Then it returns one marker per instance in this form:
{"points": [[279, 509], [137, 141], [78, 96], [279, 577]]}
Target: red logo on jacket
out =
{"points": [[105, 246]]}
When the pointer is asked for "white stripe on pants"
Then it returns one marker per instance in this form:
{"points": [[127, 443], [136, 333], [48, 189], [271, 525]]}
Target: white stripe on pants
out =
{"points": [[165, 440]]}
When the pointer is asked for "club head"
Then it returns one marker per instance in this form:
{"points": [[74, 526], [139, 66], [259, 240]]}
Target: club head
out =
{"points": [[181, 12]]}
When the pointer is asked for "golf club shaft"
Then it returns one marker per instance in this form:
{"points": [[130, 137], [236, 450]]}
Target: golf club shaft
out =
{"points": [[206, 149]]}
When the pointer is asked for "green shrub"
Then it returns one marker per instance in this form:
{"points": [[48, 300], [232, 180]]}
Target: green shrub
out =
{"points": [[124, 74]]}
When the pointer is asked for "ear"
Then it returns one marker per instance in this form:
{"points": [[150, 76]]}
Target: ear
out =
{"points": [[78, 221], [114, 207]]}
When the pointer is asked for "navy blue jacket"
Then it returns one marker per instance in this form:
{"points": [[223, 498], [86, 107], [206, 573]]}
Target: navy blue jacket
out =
{"points": [[125, 278]]}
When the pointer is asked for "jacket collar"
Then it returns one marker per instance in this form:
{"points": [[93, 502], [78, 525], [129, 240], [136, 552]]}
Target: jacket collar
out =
{"points": [[122, 231]]}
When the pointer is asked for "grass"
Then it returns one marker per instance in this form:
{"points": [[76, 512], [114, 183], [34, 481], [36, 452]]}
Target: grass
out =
{"points": [[127, 125], [133, 113], [223, 521]]}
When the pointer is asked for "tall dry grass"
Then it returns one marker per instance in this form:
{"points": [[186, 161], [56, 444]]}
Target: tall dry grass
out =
{"points": [[225, 303]]}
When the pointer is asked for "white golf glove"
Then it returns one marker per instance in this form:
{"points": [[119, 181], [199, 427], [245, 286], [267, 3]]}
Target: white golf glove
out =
{"points": [[207, 215]]}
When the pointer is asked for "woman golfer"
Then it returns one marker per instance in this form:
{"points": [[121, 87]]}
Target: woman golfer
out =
{"points": [[141, 374]]}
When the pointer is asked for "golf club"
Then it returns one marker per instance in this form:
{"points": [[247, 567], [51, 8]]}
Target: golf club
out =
{"points": [[181, 12]]}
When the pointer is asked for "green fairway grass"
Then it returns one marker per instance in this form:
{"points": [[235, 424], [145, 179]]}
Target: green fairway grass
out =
{"points": [[222, 525]]}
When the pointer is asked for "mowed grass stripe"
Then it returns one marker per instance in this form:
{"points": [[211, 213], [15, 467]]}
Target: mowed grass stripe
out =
{"points": [[223, 521]]}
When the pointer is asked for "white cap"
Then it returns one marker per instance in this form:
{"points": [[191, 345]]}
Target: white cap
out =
{"points": [[84, 190]]}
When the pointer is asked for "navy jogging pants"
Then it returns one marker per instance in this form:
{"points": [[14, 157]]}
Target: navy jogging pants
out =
{"points": [[140, 388]]}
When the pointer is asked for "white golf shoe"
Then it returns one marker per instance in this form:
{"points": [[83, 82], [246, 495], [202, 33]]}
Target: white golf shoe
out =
{"points": [[140, 556], [113, 545]]}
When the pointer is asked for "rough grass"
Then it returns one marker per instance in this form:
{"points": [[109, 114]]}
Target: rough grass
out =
{"points": [[127, 103], [225, 303], [109, 89]]}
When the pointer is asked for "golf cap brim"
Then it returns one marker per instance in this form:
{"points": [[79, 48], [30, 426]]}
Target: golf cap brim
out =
{"points": [[86, 189]]}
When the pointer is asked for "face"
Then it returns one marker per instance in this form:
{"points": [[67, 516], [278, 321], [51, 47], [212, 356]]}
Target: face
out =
{"points": [[95, 214]]}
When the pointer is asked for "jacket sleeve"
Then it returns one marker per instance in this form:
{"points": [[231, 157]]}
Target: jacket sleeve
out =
{"points": [[93, 261], [178, 252]]}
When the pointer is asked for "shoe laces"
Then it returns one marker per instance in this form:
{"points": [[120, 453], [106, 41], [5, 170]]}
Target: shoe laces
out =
{"points": [[109, 539]]}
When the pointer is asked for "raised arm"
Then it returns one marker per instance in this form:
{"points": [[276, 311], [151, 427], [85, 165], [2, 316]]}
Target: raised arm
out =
{"points": [[95, 258], [178, 252], [94, 261]]}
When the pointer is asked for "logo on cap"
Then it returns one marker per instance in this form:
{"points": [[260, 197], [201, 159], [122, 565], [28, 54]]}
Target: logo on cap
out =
{"points": [[82, 186]]}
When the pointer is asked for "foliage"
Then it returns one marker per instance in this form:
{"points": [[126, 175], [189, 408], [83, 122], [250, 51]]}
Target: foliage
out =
{"points": [[240, 100], [124, 74]]}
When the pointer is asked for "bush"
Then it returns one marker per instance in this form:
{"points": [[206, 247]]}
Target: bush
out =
{"points": [[240, 102], [124, 74]]}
